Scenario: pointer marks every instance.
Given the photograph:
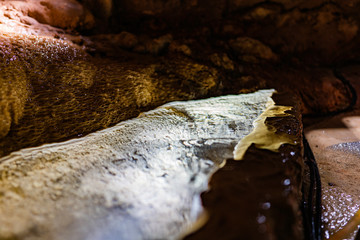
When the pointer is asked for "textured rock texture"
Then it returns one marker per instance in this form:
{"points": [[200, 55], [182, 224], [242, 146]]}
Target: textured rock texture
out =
{"points": [[141, 178], [44, 17], [81, 66], [52, 90], [69, 68]]}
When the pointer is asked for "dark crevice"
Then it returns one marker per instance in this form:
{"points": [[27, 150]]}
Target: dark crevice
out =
{"points": [[311, 205], [319, 7], [357, 237]]}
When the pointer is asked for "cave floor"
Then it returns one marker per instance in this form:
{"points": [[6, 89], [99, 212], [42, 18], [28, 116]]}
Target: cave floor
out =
{"points": [[335, 141]]}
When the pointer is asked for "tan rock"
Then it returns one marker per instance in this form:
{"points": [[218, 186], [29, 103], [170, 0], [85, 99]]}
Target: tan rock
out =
{"points": [[67, 14], [180, 48], [222, 61], [71, 94], [251, 50], [13, 96]]}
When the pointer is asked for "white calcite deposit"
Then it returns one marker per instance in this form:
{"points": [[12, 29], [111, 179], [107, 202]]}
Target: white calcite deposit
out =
{"points": [[140, 179]]}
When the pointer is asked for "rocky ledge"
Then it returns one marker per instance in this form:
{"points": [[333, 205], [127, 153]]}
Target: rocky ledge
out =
{"points": [[143, 177]]}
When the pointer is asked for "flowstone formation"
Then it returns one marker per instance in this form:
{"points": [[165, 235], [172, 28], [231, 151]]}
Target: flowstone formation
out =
{"points": [[140, 179]]}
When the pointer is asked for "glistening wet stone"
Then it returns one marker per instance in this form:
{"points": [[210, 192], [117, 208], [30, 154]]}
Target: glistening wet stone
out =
{"points": [[347, 147], [258, 197]]}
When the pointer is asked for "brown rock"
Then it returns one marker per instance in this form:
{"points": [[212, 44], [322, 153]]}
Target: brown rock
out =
{"points": [[69, 94], [251, 50], [13, 95], [110, 44], [67, 14], [151, 7], [315, 94], [154, 46], [222, 61], [320, 91], [100, 8], [180, 48]]}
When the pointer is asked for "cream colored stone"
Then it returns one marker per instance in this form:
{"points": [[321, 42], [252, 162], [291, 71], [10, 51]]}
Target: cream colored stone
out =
{"points": [[140, 179]]}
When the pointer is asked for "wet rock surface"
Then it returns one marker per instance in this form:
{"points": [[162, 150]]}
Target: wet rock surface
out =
{"points": [[140, 179], [258, 197]]}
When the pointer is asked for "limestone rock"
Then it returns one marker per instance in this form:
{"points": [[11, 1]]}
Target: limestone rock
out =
{"points": [[151, 7], [19, 54], [12, 99], [100, 8], [35, 14], [109, 43], [67, 93], [180, 48], [68, 14], [112, 44], [311, 85], [306, 33], [222, 61], [251, 50], [139, 179]]}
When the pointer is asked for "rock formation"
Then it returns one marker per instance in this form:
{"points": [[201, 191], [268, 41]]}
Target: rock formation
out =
{"points": [[70, 68], [141, 178], [144, 48]]}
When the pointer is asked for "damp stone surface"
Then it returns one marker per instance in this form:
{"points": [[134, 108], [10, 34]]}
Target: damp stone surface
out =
{"points": [[140, 179]]}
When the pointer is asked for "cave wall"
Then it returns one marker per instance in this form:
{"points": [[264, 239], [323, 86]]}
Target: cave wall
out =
{"points": [[85, 65], [321, 31]]}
